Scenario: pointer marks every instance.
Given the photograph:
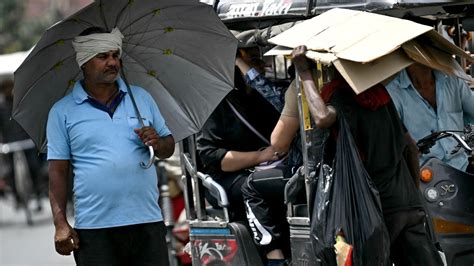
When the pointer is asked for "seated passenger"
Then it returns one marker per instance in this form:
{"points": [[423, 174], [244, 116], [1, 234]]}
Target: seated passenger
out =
{"points": [[228, 147], [252, 67], [264, 190], [428, 100]]}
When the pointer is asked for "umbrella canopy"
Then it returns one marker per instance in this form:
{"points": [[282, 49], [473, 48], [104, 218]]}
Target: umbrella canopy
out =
{"points": [[178, 50]]}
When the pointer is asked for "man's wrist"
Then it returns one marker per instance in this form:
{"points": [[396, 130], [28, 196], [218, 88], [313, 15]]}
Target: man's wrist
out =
{"points": [[280, 155], [156, 146], [60, 220]]}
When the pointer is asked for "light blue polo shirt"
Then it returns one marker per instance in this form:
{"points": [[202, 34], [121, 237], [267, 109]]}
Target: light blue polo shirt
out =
{"points": [[455, 106], [110, 187]]}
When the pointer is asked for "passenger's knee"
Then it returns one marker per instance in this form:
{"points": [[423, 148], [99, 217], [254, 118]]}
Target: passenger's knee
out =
{"points": [[247, 187]]}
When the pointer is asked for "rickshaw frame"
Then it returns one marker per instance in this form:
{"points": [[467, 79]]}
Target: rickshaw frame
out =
{"points": [[206, 223]]}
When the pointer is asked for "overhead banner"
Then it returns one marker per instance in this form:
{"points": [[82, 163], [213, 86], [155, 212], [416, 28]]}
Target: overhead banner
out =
{"points": [[260, 8], [240, 9]]}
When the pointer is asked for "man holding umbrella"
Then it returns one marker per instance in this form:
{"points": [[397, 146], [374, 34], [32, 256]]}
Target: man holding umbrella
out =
{"points": [[97, 131]]}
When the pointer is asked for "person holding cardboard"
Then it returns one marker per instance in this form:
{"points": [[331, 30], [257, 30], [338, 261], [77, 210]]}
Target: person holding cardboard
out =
{"points": [[428, 100], [387, 154]]}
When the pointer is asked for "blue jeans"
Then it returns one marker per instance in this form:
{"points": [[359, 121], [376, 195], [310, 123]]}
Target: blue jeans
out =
{"points": [[141, 244]]}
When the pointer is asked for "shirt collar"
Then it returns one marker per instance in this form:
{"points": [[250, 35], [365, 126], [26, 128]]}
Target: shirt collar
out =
{"points": [[405, 82], [80, 95]]}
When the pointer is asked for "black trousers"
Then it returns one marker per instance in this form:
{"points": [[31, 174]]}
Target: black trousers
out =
{"points": [[137, 245], [410, 241], [232, 186], [263, 194]]}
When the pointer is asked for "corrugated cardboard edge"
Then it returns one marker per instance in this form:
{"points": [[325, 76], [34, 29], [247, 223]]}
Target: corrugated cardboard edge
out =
{"points": [[363, 76], [412, 43], [359, 76], [352, 35]]}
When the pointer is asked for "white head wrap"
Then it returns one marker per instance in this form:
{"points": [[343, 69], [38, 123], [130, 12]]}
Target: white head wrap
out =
{"points": [[88, 46]]}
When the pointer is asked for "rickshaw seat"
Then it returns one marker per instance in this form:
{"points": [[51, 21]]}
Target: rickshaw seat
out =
{"points": [[300, 210]]}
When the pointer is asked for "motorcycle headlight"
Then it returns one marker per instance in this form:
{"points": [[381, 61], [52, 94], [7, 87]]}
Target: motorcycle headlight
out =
{"points": [[431, 194]]}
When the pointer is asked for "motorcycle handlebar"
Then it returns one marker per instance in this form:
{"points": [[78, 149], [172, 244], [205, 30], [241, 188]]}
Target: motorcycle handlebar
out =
{"points": [[427, 142]]}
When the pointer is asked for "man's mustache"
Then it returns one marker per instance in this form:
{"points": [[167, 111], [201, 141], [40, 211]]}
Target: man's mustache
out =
{"points": [[112, 69]]}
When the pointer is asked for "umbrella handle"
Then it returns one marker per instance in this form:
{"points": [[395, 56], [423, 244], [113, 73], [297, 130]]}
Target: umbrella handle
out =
{"points": [[150, 161]]}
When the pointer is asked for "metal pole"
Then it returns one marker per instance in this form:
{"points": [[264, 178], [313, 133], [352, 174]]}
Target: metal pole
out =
{"points": [[309, 7]]}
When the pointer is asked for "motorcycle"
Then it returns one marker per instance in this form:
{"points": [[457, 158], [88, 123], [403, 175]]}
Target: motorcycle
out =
{"points": [[447, 192]]}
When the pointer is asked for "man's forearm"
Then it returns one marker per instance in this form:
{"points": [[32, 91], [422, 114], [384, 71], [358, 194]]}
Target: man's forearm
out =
{"points": [[242, 65], [58, 174], [284, 133], [324, 116], [238, 160]]}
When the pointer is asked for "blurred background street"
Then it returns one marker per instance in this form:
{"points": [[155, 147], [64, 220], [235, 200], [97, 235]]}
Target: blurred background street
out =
{"points": [[24, 245], [21, 25]]}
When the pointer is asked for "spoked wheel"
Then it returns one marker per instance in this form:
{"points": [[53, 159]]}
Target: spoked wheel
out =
{"points": [[23, 182]]}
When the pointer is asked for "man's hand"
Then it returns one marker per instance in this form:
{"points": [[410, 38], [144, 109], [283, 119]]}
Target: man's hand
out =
{"points": [[268, 154], [65, 239], [163, 146], [300, 60], [149, 136]]}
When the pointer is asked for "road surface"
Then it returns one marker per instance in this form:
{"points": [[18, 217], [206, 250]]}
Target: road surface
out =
{"points": [[23, 245]]}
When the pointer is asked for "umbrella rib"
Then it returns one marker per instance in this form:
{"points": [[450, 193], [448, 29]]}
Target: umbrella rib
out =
{"points": [[81, 21], [143, 34], [41, 50], [39, 79], [126, 36], [180, 29], [152, 13], [102, 15], [121, 13], [143, 66], [127, 41], [154, 48]]}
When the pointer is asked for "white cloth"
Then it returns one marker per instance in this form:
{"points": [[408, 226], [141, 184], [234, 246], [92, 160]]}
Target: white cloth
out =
{"points": [[88, 46]]}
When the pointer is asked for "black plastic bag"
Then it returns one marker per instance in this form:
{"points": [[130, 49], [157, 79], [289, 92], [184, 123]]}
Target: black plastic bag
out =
{"points": [[346, 200]]}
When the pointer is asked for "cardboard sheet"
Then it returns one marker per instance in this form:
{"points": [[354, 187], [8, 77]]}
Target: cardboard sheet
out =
{"points": [[368, 48]]}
